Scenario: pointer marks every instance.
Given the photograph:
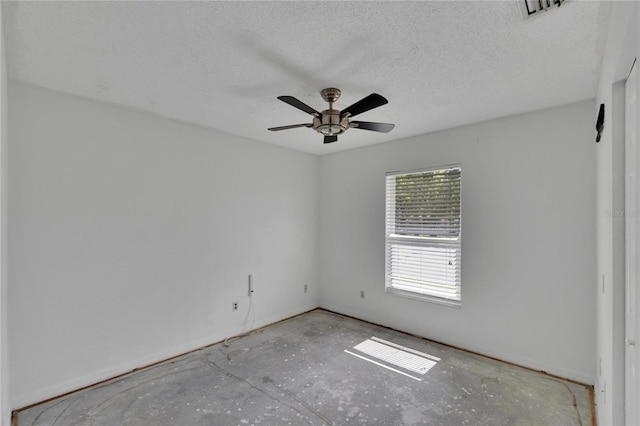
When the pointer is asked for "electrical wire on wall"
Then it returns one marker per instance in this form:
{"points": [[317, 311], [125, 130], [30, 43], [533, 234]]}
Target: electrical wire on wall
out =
{"points": [[250, 312]]}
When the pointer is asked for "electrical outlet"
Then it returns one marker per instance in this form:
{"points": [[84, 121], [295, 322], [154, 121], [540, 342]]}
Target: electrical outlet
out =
{"points": [[234, 307], [306, 288], [362, 294]]}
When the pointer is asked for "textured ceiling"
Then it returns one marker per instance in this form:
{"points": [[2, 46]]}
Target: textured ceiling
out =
{"points": [[222, 64]]}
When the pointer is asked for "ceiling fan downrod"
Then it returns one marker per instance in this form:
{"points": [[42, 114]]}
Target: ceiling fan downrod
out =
{"points": [[330, 122]]}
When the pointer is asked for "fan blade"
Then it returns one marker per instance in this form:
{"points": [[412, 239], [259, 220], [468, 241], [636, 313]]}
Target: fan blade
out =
{"points": [[376, 127], [291, 126], [329, 139], [370, 102], [298, 104]]}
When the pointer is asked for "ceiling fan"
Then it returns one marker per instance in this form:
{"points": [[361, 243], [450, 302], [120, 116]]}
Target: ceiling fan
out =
{"points": [[332, 122]]}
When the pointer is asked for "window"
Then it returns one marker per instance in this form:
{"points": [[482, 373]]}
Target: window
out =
{"points": [[424, 234]]}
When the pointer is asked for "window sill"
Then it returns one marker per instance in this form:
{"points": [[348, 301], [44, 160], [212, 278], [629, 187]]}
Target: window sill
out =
{"points": [[424, 297]]}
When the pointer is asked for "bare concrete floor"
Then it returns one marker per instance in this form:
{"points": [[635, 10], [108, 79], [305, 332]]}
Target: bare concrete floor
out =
{"points": [[323, 369]]}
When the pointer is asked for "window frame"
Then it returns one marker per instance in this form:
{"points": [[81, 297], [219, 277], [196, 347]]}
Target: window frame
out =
{"points": [[415, 292]]}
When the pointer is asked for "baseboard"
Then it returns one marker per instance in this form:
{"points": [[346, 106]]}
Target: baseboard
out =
{"points": [[507, 358], [115, 371], [75, 385]]}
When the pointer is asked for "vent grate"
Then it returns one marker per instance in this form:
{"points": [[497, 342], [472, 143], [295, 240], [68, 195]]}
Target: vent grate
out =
{"points": [[533, 7]]}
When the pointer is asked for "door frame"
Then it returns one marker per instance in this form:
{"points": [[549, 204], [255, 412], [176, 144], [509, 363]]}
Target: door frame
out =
{"points": [[632, 241]]}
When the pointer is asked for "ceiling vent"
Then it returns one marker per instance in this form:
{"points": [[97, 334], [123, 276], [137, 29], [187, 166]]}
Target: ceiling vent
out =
{"points": [[531, 8]]}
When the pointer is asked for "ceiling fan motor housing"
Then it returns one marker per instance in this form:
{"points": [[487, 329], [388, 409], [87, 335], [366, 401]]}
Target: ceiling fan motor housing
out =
{"points": [[330, 122]]}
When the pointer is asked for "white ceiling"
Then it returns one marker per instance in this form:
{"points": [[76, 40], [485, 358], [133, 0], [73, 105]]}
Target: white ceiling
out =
{"points": [[222, 64]]}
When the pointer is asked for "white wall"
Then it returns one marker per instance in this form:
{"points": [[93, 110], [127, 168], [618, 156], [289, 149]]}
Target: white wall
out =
{"points": [[131, 236], [621, 48], [4, 358], [528, 201]]}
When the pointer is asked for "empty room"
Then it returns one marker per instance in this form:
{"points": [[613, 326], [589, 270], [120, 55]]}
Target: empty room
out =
{"points": [[319, 213]]}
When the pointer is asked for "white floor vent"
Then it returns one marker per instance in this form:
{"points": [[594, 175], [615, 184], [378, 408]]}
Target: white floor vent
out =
{"points": [[531, 8]]}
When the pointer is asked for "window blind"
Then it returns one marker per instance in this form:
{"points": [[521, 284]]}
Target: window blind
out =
{"points": [[423, 233]]}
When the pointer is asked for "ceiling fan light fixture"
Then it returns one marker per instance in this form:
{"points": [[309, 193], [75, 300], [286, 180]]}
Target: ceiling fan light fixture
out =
{"points": [[330, 129], [329, 123]]}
